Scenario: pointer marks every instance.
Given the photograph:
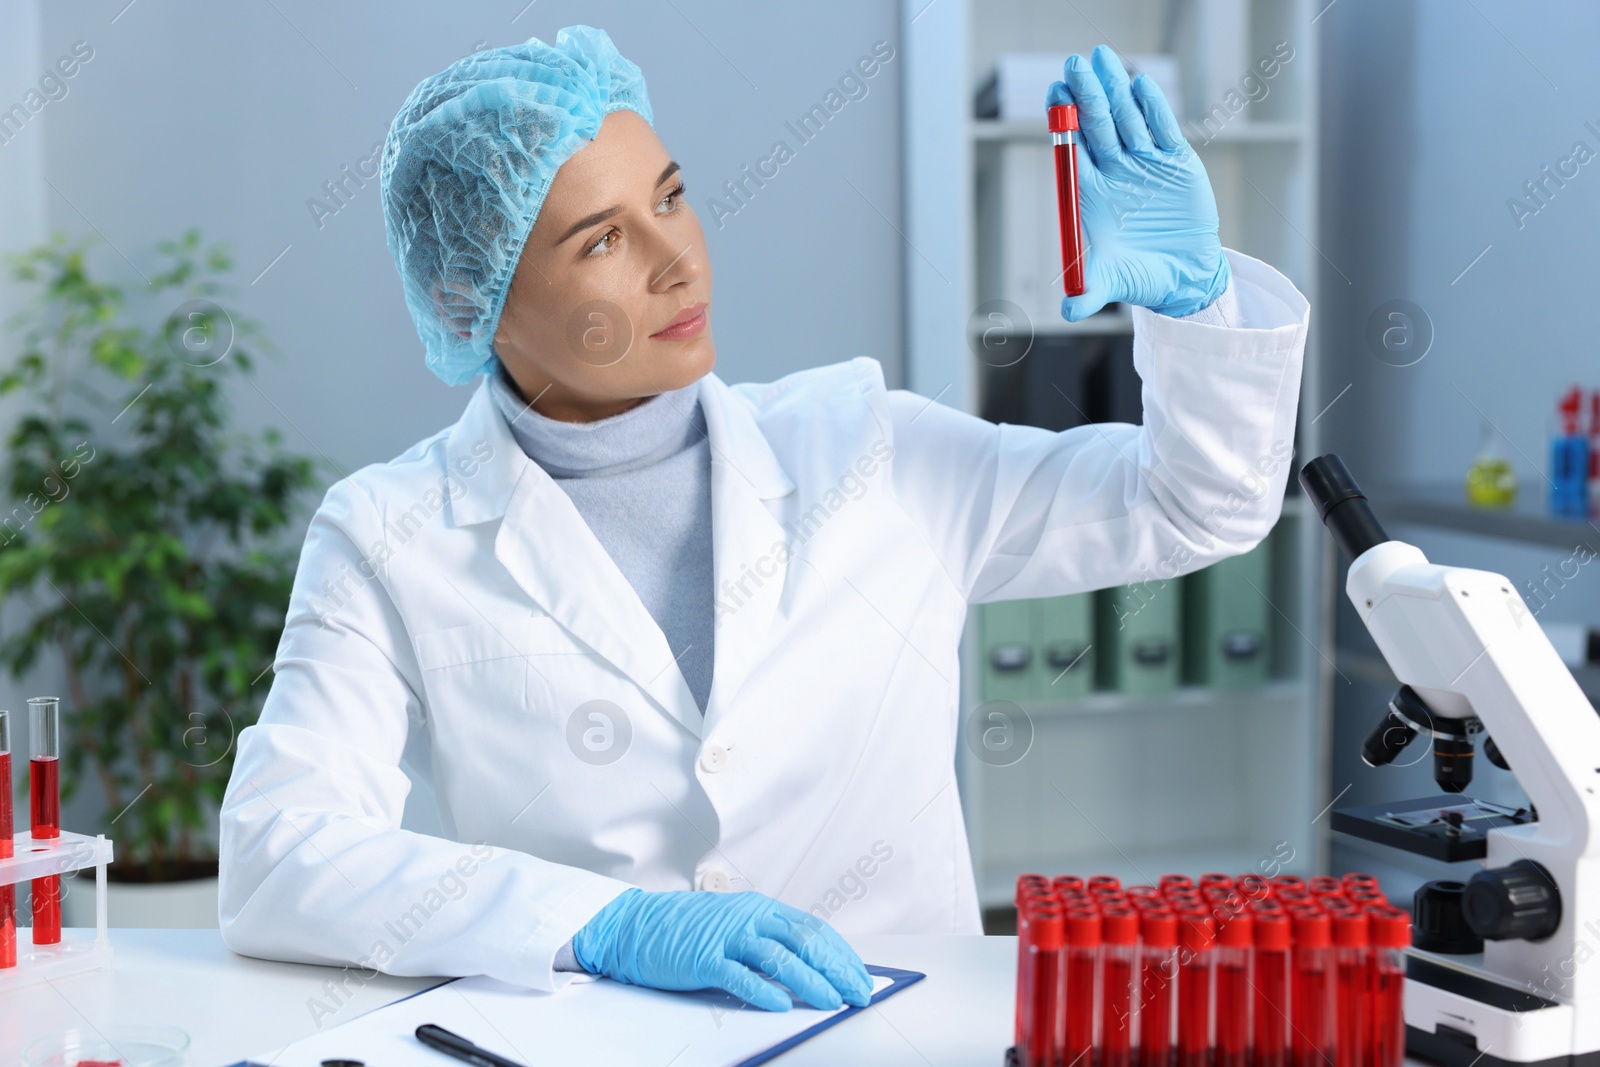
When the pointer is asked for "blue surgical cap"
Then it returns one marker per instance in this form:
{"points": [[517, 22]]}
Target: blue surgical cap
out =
{"points": [[466, 167]]}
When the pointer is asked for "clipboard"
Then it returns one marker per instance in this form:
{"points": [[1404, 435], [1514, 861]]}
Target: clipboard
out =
{"points": [[367, 1030]]}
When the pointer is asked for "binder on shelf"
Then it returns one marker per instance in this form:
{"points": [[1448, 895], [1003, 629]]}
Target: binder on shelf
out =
{"points": [[1063, 639], [1008, 655], [1227, 621], [1137, 627]]}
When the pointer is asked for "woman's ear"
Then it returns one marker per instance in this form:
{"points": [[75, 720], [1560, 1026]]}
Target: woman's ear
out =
{"points": [[457, 306]]}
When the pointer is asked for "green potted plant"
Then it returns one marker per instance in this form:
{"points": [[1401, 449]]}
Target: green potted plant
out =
{"points": [[143, 550]]}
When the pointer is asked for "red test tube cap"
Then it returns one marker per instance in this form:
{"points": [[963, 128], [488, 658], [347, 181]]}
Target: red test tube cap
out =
{"points": [[1182, 881], [1143, 904], [1066, 881], [1063, 117], [1237, 932], [1196, 932], [1355, 878], [1216, 878], [1350, 929], [1253, 886], [1311, 928], [1101, 881], [1390, 927], [1159, 929], [1120, 926], [1083, 929], [1288, 881], [1047, 929], [1325, 885], [1272, 931]]}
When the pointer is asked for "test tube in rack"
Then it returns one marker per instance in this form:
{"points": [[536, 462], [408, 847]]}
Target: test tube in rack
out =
{"points": [[44, 791], [8, 892]]}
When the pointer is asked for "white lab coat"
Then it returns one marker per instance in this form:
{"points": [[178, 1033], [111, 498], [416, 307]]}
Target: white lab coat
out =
{"points": [[453, 611]]}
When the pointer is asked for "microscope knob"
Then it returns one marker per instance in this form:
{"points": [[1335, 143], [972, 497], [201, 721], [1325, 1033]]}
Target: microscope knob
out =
{"points": [[1519, 901], [1439, 925]]}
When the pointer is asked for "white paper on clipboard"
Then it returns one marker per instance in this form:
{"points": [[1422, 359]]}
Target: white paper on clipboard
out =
{"points": [[599, 1022]]}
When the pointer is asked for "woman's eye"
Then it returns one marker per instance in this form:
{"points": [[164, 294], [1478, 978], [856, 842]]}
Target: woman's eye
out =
{"points": [[604, 244], [674, 198]]}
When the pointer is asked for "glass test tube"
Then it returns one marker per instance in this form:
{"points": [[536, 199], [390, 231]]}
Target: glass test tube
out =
{"points": [[44, 792], [1119, 965], [1158, 977], [1312, 988], [8, 893], [1079, 993], [1030, 887], [1352, 1030], [1235, 948], [1271, 1037], [1391, 936], [1037, 1047], [1196, 935]]}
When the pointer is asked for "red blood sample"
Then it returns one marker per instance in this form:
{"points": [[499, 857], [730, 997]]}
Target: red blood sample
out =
{"points": [[1158, 973], [8, 893], [1312, 989], [1353, 1030], [1391, 936], [1081, 988], [1119, 958], [1235, 942], [1063, 122], [1196, 935], [1031, 888], [1271, 987], [1044, 962], [44, 788]]}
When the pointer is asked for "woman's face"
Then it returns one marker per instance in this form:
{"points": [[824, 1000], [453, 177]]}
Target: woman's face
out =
{"points": [[615, 258]]}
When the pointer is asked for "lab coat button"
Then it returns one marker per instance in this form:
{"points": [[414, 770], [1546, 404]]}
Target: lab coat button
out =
{"points": [[715, 881], [713, 759]]}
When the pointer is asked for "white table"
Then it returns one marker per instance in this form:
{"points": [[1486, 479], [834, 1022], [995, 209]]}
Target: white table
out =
{"points": [[233, 1006]]}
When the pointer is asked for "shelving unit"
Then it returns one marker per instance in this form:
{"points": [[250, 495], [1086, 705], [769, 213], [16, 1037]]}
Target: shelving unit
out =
{"points": [[1195, 779]]}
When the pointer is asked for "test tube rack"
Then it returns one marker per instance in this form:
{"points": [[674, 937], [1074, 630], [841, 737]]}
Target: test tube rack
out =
{"points": [[78, 950]]}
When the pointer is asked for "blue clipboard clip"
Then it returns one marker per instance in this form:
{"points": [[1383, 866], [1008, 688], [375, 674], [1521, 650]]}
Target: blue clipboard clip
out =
{"points": [[898, 980]]}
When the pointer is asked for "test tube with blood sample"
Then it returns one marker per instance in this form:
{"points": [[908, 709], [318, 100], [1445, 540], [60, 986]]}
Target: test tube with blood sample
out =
{"points": [[1391, 936], [1312, 988], [1038, 1044], [1271, 1030], [1353, 1028], [1118, 967], [1063, 122], [1235, 945], [1158, 979], [8, 893], [1080, 990], [1196, 936], [44, 787]]}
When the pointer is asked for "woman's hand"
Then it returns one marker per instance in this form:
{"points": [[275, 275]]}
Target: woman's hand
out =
{"points": [[730, 941], [1149, 218]]}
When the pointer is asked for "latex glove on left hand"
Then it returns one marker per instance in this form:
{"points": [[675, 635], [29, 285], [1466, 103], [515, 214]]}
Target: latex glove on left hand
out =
{"points": [[731, 941], [1149, 217]]}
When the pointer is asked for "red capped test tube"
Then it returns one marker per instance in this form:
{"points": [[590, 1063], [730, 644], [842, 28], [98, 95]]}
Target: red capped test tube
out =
{"points": [[1119, 961], [1253, 887], [1235, 948], [1216, 878], [1281, 882], [44, 789], [1063, 119], [1355, 878], [1353, 1027], [1196, 935], [1045, 928], [1158, 980], [1391, 936], [1030, 889], [1325, 885], [1079, 993], [1170, 882], [8, 893], [1312, 988], [1271, 1031]]}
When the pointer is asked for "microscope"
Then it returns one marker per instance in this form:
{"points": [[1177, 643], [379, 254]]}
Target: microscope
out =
{"points": [[1505, 967]]}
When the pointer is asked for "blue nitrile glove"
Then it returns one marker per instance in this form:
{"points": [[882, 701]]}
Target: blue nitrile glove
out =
{"points": [[1149, 219], [728, 941]]}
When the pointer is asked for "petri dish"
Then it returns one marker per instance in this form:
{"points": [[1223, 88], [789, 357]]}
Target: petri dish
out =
{"points": [[114, 1045]]}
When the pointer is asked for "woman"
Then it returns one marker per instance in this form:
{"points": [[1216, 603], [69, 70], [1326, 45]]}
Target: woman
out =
{"points": [[680, 658]]}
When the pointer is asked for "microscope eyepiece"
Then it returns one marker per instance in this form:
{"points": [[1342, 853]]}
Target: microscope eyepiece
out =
{"points": [[1341, 505]]}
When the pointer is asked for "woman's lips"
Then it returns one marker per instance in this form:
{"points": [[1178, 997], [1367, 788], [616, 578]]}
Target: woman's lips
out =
{"points": [[689, 322]]}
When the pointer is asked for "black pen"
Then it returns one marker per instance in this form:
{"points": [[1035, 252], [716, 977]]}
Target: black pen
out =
{"points": [[437, 1037]]}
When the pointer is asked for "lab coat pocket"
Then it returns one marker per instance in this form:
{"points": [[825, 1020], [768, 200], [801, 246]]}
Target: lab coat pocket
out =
{"points": [[494, 664]]}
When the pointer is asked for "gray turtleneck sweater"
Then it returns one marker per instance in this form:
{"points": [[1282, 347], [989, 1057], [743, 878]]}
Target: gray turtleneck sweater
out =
{"points": [[642, 482]]}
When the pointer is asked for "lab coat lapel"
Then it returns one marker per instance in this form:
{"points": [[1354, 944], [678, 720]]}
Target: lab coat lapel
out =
{"points": [[749, 545], [550, 552]]}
